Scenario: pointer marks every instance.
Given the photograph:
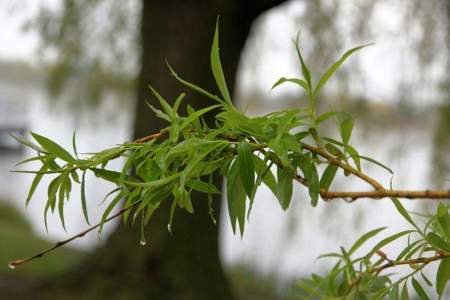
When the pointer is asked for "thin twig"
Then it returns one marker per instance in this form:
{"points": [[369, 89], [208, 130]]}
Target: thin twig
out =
{"points": [[421, 260], [13, 264], [334, 161]]}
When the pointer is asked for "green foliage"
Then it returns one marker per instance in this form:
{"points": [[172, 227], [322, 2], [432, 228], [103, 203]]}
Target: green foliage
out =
{"points": [[360, 276], [184, 156]]}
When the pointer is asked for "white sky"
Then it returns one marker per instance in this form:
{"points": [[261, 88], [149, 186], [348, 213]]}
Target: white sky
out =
{"points": [[383, 64], [15, 44]]}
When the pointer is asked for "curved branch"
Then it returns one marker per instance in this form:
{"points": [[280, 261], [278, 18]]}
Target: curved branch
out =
{"points": [[334, 161]]}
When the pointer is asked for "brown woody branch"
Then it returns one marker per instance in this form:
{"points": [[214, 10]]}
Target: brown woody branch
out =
{"points": [[334, 161], [378, 194]]}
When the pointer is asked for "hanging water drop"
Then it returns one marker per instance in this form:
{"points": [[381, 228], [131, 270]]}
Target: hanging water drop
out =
{"points": [[169, 227], [143, 242], [11, 266]]}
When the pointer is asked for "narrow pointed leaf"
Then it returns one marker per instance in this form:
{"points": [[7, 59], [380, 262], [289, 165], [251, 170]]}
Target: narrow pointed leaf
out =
{"points": [[419, 290], [437, 242], [305, 70], [236, 197], [364, 238], [246, 167], [346, 127], [83, 197], [336, 66], [74, 143], [53, 148], [268, 179], [195, 115], [178, 102], [328, 176], [164, 104], [108, 210], [195, 87], [22, 140], [284, 187], [443, 219], [442, 275], [216, 66], [297, 81], [36, 181]]}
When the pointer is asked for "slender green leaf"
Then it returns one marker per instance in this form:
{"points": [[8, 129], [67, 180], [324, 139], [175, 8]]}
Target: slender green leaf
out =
{"points": [[377, 163], [159, 113], [268, 179], [195, 122], [53, 148], [297, 81], [419, 290], [405, 294], [236, 197], [35, 182], [202, 186], [108, 210], [62, 190], [284, 186], [195, 115], [325, 116], [354, 155], [437, 242], [443, 219], [403, 212], [246, 167], [178, 102], [336, 66], [346, 127], [305, 70], [364, 238], [328, 176], [195, 87], [216, 66], [164, 104], [314, 185], [387, 241], [22, 140], [83, 197], [74, 144], [442, 275]]}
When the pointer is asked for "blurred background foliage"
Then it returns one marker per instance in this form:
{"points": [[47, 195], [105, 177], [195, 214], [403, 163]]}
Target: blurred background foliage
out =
{"points": [[90, 52]]}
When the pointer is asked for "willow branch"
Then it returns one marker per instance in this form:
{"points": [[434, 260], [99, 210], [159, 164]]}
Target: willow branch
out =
{"points": [[378, 194], [334, 161], [421, 260], [13, 264]]}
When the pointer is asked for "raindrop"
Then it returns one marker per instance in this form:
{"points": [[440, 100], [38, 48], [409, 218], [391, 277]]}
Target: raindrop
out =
{"points": [[11, 266], [169, 227], [143, 242]]}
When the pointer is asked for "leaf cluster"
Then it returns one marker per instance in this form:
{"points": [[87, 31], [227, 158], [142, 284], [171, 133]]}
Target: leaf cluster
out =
{"points": [[371, 276], [276, 149]]}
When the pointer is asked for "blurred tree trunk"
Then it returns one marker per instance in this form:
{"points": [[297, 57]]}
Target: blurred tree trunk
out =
{"points": [[184, 265]]}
